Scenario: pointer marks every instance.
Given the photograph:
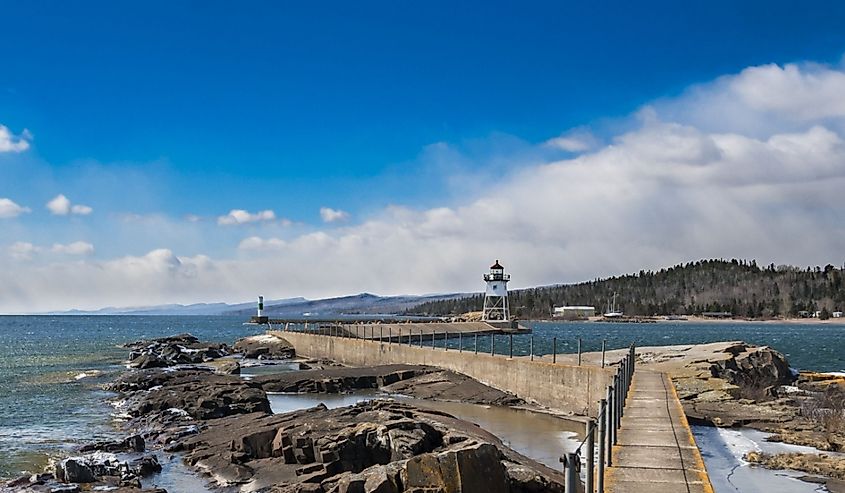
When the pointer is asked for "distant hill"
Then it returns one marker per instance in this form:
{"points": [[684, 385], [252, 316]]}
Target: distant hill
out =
{"points": [[737, 286], [364, 303], [176, 309]]}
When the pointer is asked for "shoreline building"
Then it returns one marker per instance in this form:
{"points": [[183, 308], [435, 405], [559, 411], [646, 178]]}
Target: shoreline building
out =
{"points": [[574, 312], [496, 306]]}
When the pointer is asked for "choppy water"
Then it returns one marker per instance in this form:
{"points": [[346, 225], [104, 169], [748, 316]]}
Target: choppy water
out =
{"points": [[45, 409]]}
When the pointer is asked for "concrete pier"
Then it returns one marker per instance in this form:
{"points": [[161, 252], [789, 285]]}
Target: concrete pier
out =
{"points": [[655, 446]]}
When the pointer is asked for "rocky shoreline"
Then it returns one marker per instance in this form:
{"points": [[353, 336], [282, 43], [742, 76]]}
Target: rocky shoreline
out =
{"points": [[183, 398]]}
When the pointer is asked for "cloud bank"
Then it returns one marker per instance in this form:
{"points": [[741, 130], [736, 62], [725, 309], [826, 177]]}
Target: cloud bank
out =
{"points": [[750, 165]]}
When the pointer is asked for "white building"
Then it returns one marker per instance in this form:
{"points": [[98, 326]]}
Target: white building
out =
{"points": [[575, 311]]}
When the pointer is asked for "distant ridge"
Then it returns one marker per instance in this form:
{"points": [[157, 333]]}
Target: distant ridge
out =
{"points": [[364, 303]]}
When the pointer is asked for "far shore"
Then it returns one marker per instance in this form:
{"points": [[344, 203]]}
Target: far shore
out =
{"points": [[708, 320]]}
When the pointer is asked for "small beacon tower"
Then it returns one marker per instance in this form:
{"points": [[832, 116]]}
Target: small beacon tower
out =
{"points": [[496, 306], [259, 317]]}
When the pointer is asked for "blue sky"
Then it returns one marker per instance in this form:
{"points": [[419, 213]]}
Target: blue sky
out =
{"points": [[165, 115]]}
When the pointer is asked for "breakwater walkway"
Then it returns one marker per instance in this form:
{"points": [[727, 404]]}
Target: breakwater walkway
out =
{"points": [[655, 446], [650, 448]]}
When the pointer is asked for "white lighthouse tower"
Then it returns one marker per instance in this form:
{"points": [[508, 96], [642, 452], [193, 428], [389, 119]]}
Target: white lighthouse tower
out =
{"points": [[496, 296]]}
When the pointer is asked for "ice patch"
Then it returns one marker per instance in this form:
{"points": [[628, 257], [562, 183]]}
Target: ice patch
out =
{"points": [[87, 374]]}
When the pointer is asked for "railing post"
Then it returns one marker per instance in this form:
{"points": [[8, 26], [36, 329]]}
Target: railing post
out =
{"points": [[492, 344], [610, 425], [603, 349], [579, 351], [617, 402], [570, 471], [476, 343], [460, 342], [531, 347], [511, 346], [554, 349], [380, 333], [591, 430], [601, 440]]}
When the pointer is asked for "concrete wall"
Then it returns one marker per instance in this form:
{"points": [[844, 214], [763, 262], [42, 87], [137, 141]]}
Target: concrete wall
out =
{"points": [[574, 389]]}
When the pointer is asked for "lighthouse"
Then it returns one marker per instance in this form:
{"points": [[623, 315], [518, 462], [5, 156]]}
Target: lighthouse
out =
{"points": [[496, 296]]}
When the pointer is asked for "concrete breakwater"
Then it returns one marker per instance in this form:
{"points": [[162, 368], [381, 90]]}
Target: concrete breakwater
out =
{"points": [[652, 426], [567, 388]]}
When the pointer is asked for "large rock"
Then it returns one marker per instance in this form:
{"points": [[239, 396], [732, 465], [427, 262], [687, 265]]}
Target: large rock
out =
{"points": [[174, 350], [373, 447], [148, 360], [202, 395], [265, 346], [753, 368], [74, 470], [339, 379], [475, 467]]}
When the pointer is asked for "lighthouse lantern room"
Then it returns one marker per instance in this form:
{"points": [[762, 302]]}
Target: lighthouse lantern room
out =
{"points": [[496, 296]]}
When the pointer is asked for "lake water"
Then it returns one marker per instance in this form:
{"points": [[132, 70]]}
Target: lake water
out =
{"points": [[51, 367]]}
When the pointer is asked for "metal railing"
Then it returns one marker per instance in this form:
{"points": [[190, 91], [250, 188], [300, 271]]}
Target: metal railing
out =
{"points": [[411, 338], [604, 431]]}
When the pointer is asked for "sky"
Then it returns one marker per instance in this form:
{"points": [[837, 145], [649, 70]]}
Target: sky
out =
{"points": [[181, 152]]}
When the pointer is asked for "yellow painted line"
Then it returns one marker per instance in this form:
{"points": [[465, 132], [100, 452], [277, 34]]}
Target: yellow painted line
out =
{"points": [[700, 469]]}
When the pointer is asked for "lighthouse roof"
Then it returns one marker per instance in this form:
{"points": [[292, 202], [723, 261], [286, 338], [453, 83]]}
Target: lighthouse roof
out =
{"points": [[496, 266]]}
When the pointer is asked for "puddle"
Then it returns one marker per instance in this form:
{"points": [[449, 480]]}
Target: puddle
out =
{"points": [[722, 451]]}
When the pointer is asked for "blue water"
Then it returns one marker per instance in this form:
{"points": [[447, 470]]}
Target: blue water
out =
{"points": [[819, 347], [45, 411]]}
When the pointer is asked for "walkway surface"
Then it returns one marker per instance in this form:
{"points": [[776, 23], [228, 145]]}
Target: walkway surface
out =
{"points": [[656, 451]]}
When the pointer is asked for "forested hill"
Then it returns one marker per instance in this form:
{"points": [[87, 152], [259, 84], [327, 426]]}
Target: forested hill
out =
{"points": [[737, 286]]}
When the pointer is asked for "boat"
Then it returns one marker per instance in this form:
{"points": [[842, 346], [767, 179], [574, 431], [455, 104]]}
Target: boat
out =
{"points": [[612, 311]]}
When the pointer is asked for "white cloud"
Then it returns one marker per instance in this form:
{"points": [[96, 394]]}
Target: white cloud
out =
{"points": [[9, 209], [763, 100], [240, 216], [75, 248], [11, 143], [762, 181], [578, 140], [22, 250], [330, 215], [62, 206], [255, 243]]}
